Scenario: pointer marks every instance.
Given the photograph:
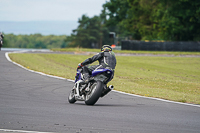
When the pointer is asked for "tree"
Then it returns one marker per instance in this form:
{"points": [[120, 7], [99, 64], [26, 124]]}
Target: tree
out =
{"points": [[181, 20], [116, 14], [34, 41], [155, 19], [89, 33]]}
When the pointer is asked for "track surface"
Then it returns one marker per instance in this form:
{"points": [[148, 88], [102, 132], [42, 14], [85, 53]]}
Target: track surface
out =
{"points": [[32, 102]]}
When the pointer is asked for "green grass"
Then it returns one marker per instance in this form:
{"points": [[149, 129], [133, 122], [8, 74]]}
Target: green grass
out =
{"points": [[172, 78], [81, 50]]}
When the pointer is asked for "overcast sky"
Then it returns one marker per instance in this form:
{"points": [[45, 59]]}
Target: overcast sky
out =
{"points": [[45, 10]]}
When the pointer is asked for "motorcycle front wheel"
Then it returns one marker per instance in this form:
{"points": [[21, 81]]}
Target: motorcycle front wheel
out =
{"points": [[71, 97], [94, 93]]}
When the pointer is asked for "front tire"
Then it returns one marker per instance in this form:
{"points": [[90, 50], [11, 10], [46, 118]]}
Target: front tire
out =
{"points": [[71, 97], [95, 92]]}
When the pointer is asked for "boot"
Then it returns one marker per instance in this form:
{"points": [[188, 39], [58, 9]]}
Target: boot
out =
{"points": [[85, 78]]}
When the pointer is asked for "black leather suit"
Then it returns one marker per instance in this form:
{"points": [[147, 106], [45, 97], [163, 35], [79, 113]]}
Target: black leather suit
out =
{"points": [[106, 60]]}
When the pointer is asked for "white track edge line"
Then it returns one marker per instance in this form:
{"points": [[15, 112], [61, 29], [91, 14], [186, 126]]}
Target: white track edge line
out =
{"points": [[41, 73], [159, 99], [22, 131]]}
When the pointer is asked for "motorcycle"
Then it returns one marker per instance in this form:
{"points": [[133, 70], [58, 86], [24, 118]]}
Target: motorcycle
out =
{"points": [[95, 88]]}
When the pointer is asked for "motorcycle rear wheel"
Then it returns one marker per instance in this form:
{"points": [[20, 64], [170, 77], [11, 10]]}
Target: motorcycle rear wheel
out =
{"points": [[95, 92]]}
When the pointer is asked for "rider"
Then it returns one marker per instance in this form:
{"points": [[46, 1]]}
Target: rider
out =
{"points": [[106, 59], [1, 40]]}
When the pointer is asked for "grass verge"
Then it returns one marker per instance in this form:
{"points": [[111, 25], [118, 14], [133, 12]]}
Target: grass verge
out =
{"points": [[172, 78], [81, 50]]}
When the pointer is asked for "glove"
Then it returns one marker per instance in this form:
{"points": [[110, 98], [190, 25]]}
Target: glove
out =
{"points": [[79, 66]]}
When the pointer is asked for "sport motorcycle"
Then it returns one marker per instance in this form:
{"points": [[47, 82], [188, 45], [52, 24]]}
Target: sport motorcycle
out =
{"points": [[95, 87]]}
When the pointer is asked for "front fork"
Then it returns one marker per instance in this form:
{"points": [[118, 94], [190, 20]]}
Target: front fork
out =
{"points": [[77, 95]]}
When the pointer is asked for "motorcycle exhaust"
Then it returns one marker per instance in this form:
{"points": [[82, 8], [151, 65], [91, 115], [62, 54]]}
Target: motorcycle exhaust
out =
{"points": [[108, 89], [111, 87]]}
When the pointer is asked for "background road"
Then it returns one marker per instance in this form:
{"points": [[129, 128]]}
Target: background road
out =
{"points": [[32, 102]]}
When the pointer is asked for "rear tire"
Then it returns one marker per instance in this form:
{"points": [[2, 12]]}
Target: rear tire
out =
{"points": [[95, 92]]}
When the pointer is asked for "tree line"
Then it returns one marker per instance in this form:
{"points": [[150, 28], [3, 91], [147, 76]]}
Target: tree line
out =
{"points": [[34, 41], [169, 20]]}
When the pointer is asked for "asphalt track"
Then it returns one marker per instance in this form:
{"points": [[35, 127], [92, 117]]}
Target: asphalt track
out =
{"points": [[33, 102]]}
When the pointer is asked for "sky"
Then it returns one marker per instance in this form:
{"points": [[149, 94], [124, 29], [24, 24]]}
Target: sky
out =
{"points": [[28, 16], [48, 10]]}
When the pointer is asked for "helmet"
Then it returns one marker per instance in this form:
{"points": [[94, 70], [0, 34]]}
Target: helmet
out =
{"points": [[106, 48]]}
